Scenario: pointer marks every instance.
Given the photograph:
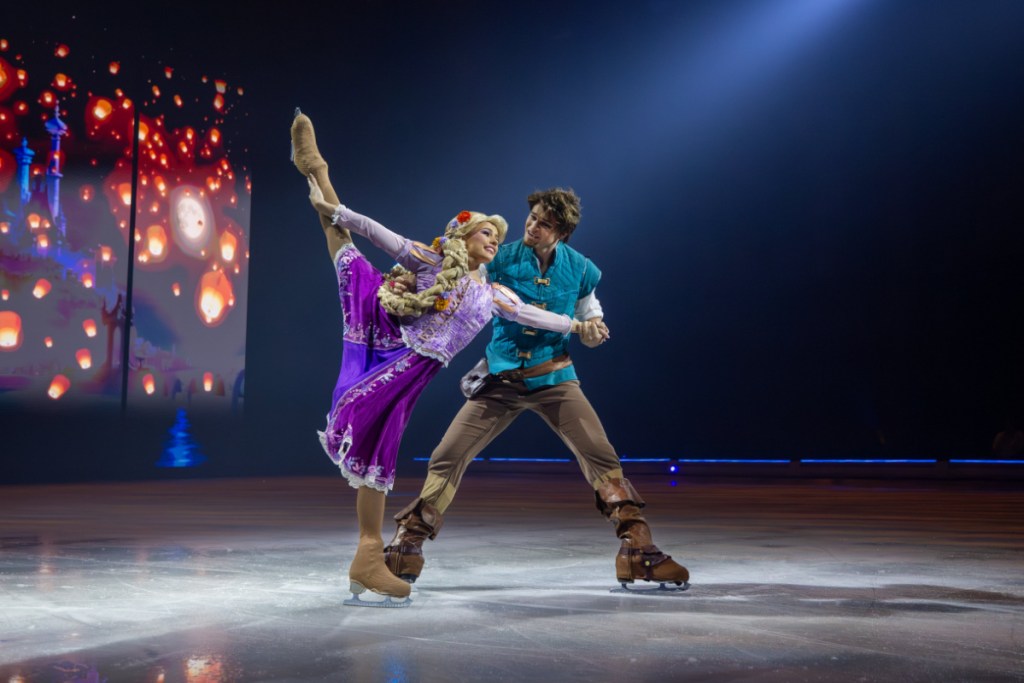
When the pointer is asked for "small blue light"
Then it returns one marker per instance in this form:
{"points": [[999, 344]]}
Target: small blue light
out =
{"points": [[672, 483], [180, 450], [673, 469]]}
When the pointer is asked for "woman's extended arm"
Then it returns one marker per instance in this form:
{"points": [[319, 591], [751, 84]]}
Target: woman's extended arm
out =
{"points": [[509, 306]]}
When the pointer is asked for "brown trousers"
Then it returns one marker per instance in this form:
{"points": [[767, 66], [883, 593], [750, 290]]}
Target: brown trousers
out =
{"points": [[483, 417]]}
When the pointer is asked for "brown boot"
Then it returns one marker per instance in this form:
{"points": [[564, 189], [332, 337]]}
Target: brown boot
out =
{"points": [[416, 523], [638, 557], [368, 572]]}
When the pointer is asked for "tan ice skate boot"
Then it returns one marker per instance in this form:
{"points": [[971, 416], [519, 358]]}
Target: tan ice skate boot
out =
{"points": [[416, 523], [371, 583], [638, 557], [305, 154]]}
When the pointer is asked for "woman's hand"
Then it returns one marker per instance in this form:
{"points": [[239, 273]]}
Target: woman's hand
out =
{"points": [[316, 198]]}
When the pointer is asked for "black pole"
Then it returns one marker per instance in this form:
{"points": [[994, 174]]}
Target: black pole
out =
{"points": [[128, 317]]}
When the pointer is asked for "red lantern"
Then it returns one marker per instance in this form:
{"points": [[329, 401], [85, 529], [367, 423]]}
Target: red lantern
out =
{"points": [[228, 243], [83, 358], [213, 297], [10, 331], [58, 387]]}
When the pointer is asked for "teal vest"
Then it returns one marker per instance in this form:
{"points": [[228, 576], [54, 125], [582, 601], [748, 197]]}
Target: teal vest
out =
{"points": [[571, 276]]}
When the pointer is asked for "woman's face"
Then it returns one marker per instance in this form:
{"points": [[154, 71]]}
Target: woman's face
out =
{"points": [[482, 245]]}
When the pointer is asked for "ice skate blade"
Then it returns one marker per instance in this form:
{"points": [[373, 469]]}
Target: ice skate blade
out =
{"points": [[367, 598], [663, 588]]}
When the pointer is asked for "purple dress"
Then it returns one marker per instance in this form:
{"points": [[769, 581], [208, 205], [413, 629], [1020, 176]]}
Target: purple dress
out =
{"points": [[386, 365]]}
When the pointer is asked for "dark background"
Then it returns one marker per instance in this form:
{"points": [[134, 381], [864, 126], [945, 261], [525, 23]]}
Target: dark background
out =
{"points": [[808, 212]]}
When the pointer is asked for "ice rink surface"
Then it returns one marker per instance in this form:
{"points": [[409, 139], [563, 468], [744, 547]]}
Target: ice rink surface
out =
{"points": [[243, 579]]}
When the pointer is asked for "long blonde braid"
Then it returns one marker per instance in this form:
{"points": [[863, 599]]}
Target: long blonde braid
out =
{"points": [[454, 266]]}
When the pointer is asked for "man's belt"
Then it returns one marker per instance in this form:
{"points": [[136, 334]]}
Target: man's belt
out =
{"points": [[548, 366]]}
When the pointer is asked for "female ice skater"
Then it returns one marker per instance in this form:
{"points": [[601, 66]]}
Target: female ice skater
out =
{"points": [[395, 341]]}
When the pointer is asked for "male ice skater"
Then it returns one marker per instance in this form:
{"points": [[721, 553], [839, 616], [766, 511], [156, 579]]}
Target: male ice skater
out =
{"points": [[530, 369]]}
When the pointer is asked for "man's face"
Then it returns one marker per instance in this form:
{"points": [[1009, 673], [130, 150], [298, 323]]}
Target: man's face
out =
{"points": [[541, 230]]}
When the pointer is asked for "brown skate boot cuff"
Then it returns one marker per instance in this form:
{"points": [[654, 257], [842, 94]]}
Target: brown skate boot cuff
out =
{"points": [[421, 517], [416, 523], [616, 492]]}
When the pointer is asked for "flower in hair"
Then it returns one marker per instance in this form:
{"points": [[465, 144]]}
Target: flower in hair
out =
{"points": [[459, 220], [438, 243], [441, 302]]}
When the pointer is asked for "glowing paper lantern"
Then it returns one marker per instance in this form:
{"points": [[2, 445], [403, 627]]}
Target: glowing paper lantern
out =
{"points": [[48, 342], [34, 221], [5, 294], [10, 331], [86, 193], [106, 254], [156, 242], [87, 280], [102, 109], [83, 358], [148, 383], [114, 67], [5, 227], [207, 381], [89, 325], [227, 245], [125, 192], [58, 386], [42, 288], [176, 289], [42, 241], [213, 297]]}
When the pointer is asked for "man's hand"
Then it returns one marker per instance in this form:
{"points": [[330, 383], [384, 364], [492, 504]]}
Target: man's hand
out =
{"points": [[594, 332]]}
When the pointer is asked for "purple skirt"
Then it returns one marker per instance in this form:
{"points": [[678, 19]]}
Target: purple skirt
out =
{"points": [[380, 381]]}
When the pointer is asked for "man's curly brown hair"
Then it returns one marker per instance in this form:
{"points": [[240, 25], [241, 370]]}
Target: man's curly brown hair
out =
{"points": [[563, 206]]}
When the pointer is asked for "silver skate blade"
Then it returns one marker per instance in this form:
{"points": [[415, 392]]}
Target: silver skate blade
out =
{"points": [[361, 597], [376, 600], [291, 155], [662, 589]]}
